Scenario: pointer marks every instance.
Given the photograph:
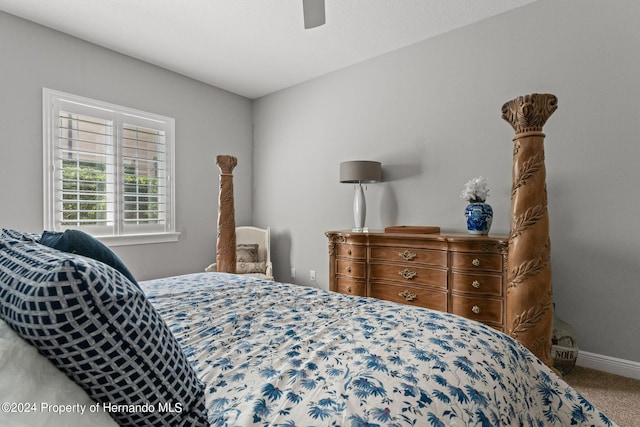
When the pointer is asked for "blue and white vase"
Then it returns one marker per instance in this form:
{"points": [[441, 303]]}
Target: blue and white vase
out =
{"points": [[479, 217]]}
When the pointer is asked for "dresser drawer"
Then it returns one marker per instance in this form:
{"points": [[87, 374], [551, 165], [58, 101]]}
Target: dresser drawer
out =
{"points": [[409, 255], [481, 309], [471, 261], [409, 274], [350, 268], [351, 287], [411, 295], [351, 251], [476, 283]]}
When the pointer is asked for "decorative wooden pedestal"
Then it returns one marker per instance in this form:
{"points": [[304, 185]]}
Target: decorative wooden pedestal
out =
{"points": [[226, 243], [529, 315]]}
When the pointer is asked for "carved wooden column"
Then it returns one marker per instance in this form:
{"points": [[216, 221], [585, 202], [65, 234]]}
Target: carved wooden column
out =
{"points": [[529, 313], [226, 244]]}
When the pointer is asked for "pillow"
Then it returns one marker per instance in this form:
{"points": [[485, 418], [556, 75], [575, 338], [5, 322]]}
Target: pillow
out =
{"points": [[247, 253], [251, 267], [19, 235], [81, 243], [27, 376], [99, 329]]}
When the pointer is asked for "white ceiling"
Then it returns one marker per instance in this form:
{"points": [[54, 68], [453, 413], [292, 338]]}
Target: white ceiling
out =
{"points": [[254, 47]]}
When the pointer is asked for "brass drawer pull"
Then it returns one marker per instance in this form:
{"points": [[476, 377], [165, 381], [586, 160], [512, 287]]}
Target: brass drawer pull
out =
{"points": [[348, 251], [475, 262], [407, 256], [407, 274], [348, 269], [349, 289], [408, 295], [475, 284], [476, 309]]}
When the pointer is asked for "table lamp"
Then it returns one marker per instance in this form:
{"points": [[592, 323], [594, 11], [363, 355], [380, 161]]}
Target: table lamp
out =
{"points": [[359, 172]]}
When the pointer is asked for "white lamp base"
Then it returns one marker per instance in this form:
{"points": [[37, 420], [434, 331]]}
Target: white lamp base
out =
{"points": [[360, 230], [359, 209]]}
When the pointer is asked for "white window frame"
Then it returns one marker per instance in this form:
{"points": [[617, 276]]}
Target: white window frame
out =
{"points": [[118, 233]]}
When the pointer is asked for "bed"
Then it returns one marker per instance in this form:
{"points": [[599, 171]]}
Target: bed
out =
{"points": [[232, 350], [280, 354]]}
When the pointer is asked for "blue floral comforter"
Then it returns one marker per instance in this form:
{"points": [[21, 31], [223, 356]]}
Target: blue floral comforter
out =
{"points": [[275, 354]]}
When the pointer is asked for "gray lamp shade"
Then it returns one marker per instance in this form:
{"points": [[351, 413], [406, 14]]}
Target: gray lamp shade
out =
{"points": [[360, 171]]}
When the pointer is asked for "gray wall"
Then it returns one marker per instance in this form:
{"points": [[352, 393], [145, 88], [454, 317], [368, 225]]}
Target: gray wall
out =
{"points": [[431, 114], [209, 122]]}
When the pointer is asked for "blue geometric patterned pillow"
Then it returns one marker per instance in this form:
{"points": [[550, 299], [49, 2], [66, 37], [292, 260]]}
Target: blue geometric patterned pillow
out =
{"points": [[8, 233], [99, 329]]}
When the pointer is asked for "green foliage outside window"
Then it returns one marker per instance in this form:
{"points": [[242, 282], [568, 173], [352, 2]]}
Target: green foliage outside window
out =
{"points": [[140, 197], [85, 195]]}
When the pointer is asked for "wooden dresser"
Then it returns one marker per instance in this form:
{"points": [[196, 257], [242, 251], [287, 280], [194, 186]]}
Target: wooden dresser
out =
{"points": [[461, 274]]}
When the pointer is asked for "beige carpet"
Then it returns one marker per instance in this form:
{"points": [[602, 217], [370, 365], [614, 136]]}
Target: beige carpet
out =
{"points": [[618, 397]]}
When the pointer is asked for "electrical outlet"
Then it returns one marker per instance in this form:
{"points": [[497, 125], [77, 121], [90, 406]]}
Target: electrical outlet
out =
{"points": [[293, 273], [312, 275]]}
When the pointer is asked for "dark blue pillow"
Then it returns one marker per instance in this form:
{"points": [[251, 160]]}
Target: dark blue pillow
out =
{"points": [[81, 243]]}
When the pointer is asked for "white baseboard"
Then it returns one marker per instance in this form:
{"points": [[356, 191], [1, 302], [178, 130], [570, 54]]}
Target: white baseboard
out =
{"points": [[612, 365]]}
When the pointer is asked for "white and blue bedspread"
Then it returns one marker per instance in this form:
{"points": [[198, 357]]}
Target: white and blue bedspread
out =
{"points": [[276, 354]]}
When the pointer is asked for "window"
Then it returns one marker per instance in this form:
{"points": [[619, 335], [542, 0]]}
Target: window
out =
{"points": [[108, 170]]}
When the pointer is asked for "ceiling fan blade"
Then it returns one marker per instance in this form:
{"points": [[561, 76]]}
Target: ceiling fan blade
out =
{"points": [[313, 13]]}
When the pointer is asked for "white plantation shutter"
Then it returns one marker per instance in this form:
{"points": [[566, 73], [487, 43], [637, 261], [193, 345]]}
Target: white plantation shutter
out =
{"points": [[84, 171], [143, 154], [107, 168]]}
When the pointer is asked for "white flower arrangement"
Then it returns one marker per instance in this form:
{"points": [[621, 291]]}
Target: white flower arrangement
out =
{"points": [[475, 190]]}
